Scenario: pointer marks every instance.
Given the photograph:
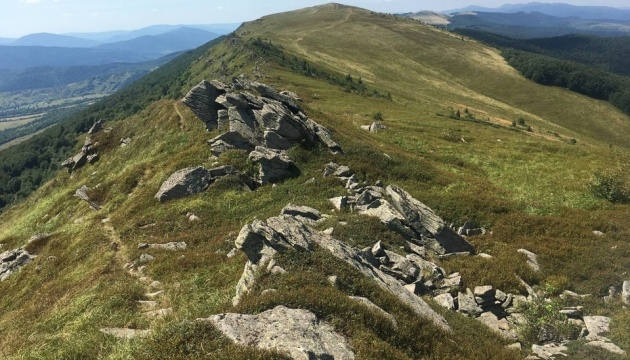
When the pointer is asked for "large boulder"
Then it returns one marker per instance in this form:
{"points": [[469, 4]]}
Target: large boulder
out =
{"points": [[201, 99], [297, 332], [426, 222], [275, 165], [191, 181]]}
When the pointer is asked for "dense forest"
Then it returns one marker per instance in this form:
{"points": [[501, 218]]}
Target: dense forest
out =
{"points": [[588, 65], [604, 53], [24, 167]]}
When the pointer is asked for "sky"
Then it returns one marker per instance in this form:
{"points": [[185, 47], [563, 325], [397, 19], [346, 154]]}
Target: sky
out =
{"points": [[22, 17]]}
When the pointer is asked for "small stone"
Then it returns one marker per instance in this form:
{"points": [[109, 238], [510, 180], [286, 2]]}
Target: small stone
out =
{"points": [[378, 250], [500, 295], [573, 312], [268, 291], [515, 346], [445, 300], [598, 233], [193, 218], [277, 270], [532, 259], [339, 203], [485, 256], [145, 258], [625, 293], [332, 280], [329, 231], [232, 253], [143, 246]]}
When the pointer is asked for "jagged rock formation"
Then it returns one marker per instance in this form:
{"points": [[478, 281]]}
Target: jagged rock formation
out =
{"points": [[264, 125], [191, 181], [262, 240], [201, 100], [88, 154], [299, 333], [400, 212], [274, 120], [12, 260]]}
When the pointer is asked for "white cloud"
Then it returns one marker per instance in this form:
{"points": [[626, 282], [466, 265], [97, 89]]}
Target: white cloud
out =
{"points": [[30, 2]]}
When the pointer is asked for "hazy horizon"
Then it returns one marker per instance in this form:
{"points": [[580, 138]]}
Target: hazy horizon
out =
{"points": [[24, 17]]}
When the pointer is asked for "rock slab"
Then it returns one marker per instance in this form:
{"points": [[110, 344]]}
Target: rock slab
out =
{"points": [[297, 332]]}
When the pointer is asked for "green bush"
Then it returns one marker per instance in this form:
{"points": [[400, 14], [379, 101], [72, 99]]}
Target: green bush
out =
{"points": [[610, 186]]}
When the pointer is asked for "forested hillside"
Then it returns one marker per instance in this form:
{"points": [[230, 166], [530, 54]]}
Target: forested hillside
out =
{"points": [[589, 65]]}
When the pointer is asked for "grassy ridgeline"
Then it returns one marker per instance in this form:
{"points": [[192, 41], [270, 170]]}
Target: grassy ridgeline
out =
{"points": [[530, 187]]}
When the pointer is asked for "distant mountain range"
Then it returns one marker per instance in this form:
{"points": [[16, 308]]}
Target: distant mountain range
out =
{"points": [[53, 40], [172, 41], [555, 9], [86, 40], [63, 50], [533, 20]]}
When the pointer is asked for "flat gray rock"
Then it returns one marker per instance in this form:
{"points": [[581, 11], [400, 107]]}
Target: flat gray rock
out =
{"points": [[302, 211], [296, 332], [185, 182]]}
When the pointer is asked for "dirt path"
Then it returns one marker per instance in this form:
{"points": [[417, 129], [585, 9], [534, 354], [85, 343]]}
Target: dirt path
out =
{"points": [[296, 42]]}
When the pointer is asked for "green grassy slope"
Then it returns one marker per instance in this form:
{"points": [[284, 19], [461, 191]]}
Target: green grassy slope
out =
{"points": [[530, 188]]}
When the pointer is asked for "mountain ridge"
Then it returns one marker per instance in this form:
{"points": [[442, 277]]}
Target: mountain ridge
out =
{"points": [[555, 9], [113, 262]]}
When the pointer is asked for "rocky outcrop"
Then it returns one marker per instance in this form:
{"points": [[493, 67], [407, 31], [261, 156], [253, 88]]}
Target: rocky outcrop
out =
{"points": [[202, 101], [191, 181], [625, 293], [12, 260], [296, 332], [87, 155], [427, 223], [260, 241], [263, 126]]}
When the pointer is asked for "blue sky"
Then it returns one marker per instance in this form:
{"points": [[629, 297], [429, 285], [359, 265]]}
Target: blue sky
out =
{"points": [[21, 17]]}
